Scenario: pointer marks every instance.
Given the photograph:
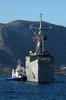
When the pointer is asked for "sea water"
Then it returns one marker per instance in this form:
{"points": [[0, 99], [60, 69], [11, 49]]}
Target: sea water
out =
{"points": [[13, 90]]}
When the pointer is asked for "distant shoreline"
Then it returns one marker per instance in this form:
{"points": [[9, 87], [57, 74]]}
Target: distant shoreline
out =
{"points": [[60, 74]]}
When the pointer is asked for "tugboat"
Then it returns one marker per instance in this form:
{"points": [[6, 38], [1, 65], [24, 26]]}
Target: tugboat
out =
{"points": [[40, 64], [18, 74]]}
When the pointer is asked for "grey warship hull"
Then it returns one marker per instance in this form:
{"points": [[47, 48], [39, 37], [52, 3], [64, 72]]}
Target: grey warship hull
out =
{"points": [[40, 69]]}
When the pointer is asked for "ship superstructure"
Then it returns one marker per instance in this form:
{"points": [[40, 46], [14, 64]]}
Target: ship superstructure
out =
{"points": [[18, 74], [18, 71], [40, 64]]}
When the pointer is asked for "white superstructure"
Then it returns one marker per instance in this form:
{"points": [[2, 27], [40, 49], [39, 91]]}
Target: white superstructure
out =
{"points": [[18, 71]]}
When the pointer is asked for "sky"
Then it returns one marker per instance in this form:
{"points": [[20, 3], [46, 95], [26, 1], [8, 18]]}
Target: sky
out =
{"points": [[53, 11]]}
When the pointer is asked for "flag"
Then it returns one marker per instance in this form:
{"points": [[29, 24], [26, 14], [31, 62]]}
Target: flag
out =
{"points": [[33, 38]]}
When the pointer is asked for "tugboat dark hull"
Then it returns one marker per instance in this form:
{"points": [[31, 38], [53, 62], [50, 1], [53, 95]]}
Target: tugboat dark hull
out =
{"points": [[22, 78]]}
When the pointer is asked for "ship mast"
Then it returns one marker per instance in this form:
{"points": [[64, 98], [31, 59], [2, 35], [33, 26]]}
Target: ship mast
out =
{"points": [[40, 20], [39, 37], [40, 41]]}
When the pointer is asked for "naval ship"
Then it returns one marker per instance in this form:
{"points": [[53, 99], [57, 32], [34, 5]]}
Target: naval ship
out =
{"points": [[39, 64]]}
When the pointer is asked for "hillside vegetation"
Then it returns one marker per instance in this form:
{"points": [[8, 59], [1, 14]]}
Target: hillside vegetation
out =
{"points": [[16, 41]]}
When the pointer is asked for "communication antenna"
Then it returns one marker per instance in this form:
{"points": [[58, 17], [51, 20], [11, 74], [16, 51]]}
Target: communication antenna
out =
{"points": [[40, 20]]}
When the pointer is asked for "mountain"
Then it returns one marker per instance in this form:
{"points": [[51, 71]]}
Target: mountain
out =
{"points": [[16, 41]]}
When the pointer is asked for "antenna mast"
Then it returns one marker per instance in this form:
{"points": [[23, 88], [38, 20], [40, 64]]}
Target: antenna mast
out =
{"points": [[40, 20], [40, 37]]}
